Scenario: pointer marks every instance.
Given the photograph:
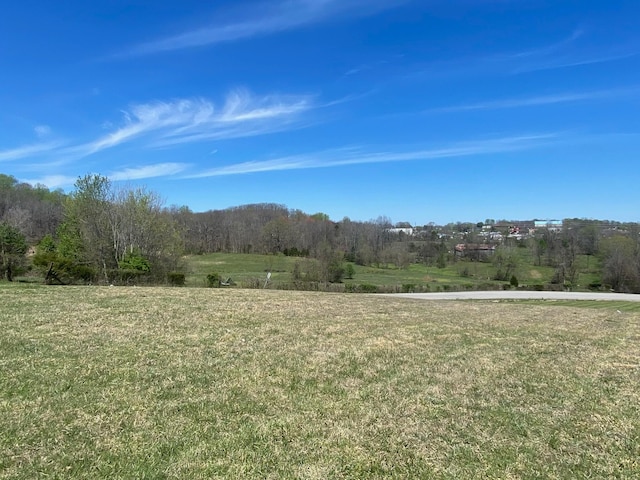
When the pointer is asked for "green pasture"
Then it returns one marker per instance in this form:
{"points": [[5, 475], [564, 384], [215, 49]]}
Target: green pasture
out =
{"points": [[252, 268]]}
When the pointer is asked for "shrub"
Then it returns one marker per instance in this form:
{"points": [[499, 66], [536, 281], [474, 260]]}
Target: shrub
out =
{"points": [[350, 288], [335, 272], [387, 289], [213, 280], [253, 282], [294, 252], [311, 271], [83, 272], [408, 287], [64, 270], [135, 261], [349, 270], [176, 279], [126, 276], [514, 281], [296, 273], [334, 287], [368, 288]]}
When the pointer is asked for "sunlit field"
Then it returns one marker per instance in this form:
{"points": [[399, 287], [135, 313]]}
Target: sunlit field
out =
{"points": [[130, 382], [249, 269]]}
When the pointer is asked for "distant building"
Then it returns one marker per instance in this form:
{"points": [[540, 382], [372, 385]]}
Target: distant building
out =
{"points": [[515, 227], [493, 236], [474, 250], [406, 231], [552, 225]]}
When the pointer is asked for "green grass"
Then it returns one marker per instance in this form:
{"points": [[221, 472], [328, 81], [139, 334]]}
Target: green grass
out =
{"points": [[239, 267], [100, 382], [251, 270], [246, 268]]}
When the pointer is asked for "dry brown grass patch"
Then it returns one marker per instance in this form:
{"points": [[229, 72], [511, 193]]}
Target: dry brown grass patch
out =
{"points": [[202, 383]]}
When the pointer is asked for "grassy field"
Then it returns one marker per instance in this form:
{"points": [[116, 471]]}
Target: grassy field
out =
{"points": [[247, 268], [115, 382]]}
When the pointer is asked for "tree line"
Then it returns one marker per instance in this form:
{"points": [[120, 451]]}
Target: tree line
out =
{"points": [[102, 234]]}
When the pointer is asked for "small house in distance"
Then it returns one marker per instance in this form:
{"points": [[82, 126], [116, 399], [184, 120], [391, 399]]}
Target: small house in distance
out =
{"points": [[409, 231], [474, 251]]}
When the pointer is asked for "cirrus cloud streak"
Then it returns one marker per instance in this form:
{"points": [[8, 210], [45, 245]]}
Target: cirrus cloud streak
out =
{"points": [[265, 19], [357, 156]]}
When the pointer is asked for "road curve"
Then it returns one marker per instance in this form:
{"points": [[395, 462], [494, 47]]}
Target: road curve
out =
{"points": [[518, 295]]}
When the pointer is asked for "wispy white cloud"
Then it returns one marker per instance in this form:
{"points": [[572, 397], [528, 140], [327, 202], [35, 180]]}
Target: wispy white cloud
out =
{"points": [[162, 124], [148, 171], [548, 49], [565, 53], [134, 173], [27, 151], [193, 120], [355, 156], [575, 60], [539, 100], [241, 106], [42, 131], [52, 181], [265, 19], [375, 66], [144, 119]]}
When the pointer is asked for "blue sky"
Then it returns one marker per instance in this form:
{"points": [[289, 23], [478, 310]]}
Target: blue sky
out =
{"points": [[419, 110]]}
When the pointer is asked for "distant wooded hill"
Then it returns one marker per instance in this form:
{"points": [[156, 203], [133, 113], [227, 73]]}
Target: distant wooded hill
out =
{"points": [[97, 232]]}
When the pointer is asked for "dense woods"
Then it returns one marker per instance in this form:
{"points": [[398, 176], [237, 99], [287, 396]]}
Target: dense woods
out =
{"points": [[102, 234]]}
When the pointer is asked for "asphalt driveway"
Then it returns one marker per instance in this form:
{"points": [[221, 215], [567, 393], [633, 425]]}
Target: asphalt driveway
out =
{"points": [[519, 295]]}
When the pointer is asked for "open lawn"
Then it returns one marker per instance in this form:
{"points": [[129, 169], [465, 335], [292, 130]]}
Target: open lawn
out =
{"points": [[126, 382], [251, 269]]}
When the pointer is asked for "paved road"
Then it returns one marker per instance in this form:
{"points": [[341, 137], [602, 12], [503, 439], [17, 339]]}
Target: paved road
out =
{"points": [[519, 295]]}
